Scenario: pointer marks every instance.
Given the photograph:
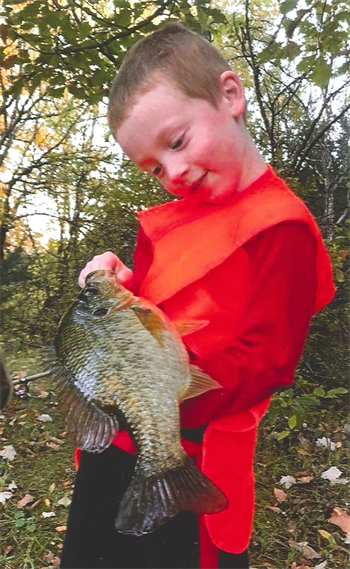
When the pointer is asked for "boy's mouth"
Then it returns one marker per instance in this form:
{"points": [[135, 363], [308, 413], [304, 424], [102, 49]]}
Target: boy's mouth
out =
{"points": [[197, 183]]}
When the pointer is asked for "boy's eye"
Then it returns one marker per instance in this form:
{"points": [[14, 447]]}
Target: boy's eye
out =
{"points": [[177, 143], [156, 171]]}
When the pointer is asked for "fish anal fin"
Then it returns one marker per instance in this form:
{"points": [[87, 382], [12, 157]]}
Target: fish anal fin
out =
{"points": [[200, 383]]}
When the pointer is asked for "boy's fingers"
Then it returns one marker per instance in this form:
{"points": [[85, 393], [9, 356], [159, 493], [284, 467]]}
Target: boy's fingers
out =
{"points": [[107, 261]]}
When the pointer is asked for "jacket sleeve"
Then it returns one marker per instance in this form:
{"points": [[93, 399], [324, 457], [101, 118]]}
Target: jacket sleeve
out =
{"points": [[274, 314]]}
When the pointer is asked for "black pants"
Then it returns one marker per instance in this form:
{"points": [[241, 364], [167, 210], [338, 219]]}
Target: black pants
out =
{"points": [[92, 541]]}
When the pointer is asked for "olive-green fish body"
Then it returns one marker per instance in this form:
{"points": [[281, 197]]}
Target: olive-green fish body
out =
{"points": [[121, 362]]}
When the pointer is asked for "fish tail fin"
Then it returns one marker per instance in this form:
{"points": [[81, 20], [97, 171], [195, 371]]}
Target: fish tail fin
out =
{"points": [[150, 501]]}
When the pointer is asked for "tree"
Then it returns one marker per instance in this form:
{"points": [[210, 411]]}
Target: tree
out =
{"points": [[298, 89]]}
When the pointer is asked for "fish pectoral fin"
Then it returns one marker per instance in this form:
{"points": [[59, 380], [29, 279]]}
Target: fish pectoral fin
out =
{"points": [[152, 321], [185, 327], [200, 383], [89, 427]]}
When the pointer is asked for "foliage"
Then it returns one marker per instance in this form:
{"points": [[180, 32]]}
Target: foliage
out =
{"points": [[79, 44], [42, 469]]}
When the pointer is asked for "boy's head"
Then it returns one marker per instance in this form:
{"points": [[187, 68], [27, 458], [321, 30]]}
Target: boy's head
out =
{"points": [[177, 111], [173, 53]]}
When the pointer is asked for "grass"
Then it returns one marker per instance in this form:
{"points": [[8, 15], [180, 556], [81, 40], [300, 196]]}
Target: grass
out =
{"points": [[43, 468]]}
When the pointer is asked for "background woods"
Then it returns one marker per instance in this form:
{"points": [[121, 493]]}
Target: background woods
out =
{"points": [[67, 193]]}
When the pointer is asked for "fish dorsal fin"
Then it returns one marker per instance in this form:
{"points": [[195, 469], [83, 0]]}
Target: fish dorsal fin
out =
{"points": [[152, 321], [200, 383], [89, 427], [185, 327]]}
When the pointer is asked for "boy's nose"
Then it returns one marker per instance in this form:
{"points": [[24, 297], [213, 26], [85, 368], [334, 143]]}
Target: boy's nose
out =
{"points": [[176, 171]]}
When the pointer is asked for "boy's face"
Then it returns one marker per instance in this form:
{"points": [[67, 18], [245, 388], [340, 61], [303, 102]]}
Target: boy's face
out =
{"points": [[192, 147]]}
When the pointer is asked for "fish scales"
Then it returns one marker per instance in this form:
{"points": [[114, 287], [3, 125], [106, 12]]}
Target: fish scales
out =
{"points": [[120, 362]]}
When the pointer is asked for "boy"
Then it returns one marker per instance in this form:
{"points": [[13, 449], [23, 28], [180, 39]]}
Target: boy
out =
{"points": [[240, 251]]}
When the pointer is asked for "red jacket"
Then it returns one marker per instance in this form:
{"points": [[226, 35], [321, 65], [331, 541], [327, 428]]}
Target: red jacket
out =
{"points": [[255, 266]]}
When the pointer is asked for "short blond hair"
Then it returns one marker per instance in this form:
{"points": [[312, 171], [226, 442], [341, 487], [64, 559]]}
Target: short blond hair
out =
{"points": [[172, 52]]}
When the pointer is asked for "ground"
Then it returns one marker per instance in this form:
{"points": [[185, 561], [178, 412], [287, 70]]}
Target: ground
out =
{"points": [[292, 526]]}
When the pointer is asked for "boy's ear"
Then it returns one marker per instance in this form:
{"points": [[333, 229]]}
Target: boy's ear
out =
{"points": [[233, 93]]}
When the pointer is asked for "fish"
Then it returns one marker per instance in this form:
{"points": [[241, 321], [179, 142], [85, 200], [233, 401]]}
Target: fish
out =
{"points": [[5, 386], [120, 363]]}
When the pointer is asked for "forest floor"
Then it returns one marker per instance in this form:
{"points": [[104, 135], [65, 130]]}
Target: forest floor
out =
{"points": [[302, 483]]}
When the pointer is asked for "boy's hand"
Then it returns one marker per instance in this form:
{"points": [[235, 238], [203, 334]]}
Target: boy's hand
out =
{"points": [[107, 261]]}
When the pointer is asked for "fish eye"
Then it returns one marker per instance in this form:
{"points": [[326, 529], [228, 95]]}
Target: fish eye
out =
{"points": [[90, 291], [100, 311]]}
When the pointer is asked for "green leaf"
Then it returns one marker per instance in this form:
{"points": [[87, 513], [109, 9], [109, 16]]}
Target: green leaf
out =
{"points": [[291, 50], [84, 30], [308, 400], [292, 422], [270, 53], [283, 435], [288, 5], [321, 73], [319, 392], [52, 19], [123, 18], [339, 276], [306, 64], [30, 11], [337, 391]]}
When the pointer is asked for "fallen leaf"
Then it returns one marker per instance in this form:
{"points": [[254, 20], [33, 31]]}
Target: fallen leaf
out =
{"points": [[56, 440], [67, 483], [292, 526], [47, 502], [331, 474], [305, 550], [48, 515], [340, 481], [305, 479], [65, 501], [287, 481], [8, 452], [44, 418], [324, 533], [52, 487], [273, 508], [7, 549], [322, 565], [280, 495], [324, 442], [341, 519], [53, 446], [27, 499], [52, 559], [303, 452], [61, 528], [5, 496]]}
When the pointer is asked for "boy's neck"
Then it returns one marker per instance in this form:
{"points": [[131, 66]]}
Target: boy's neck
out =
{"points": [[253, 165]]}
